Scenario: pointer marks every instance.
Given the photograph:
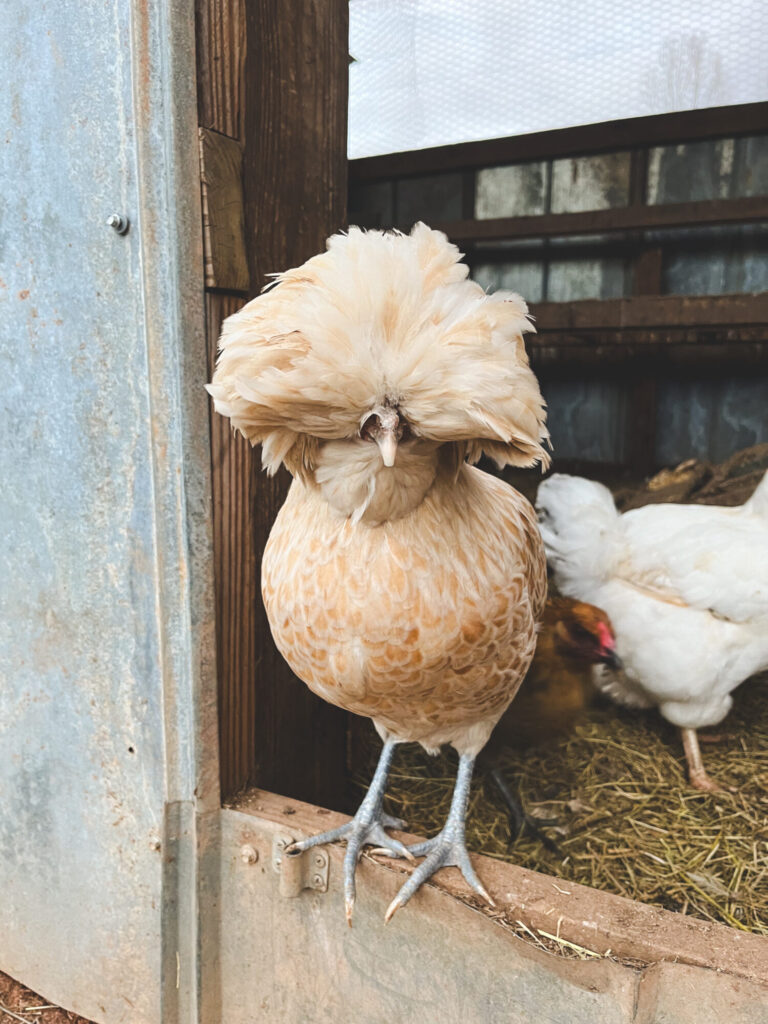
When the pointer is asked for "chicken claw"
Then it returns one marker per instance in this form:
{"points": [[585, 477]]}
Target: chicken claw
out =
{"points": [[447, 848], [367, 827]]}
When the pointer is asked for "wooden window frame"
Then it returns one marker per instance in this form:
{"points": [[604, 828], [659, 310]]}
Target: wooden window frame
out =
{"points": [[638, 338]]}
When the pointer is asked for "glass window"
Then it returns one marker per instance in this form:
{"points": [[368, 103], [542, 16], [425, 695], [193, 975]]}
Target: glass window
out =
{"points": [[590, 183], [526, 278], [515, 191]]}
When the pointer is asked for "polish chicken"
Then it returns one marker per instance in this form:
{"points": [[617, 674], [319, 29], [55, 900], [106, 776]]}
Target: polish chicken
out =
{"points": [[400, 582], [686, 587]]}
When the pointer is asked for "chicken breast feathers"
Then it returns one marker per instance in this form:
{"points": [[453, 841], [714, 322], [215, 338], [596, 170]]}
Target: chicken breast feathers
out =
{"points": [[425, 623]]}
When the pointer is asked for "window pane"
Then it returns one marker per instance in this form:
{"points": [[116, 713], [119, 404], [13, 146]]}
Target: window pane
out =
{"points": [[716, 169], [525, 278], [434, 198], [571, 280], [590, 183], [515, 191], [371, 205]]}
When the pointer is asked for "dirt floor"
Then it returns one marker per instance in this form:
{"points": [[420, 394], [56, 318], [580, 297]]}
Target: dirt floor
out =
{"points": [[19, 1004]]}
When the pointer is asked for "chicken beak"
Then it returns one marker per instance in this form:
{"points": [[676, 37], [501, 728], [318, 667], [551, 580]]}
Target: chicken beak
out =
{"points": [[387, 442], [612, 660]]}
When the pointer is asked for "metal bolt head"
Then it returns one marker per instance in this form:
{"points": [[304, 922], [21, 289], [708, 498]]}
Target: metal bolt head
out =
{"points": [[118, 222], [249, 854]]}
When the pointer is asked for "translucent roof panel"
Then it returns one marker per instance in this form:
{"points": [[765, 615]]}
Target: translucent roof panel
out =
{"points": [[434, 72]]}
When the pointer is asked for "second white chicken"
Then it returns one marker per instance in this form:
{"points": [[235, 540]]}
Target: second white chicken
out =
{"points": [[686, 587]]}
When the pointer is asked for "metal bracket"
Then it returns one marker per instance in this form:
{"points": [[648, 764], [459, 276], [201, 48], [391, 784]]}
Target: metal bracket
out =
{"points": [[299, 870]]}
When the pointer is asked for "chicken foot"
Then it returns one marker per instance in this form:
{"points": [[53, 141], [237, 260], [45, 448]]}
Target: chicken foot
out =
{"points": [[447, 848], [367, 827], [519, 819], [697, 773]]}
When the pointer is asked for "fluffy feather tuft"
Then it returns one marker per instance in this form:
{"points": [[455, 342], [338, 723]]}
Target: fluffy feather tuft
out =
{"points": [[381, 318]]}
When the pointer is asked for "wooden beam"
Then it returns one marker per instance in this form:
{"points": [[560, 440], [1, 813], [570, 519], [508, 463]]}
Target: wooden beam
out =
{"points": [[609, 355], [653, 130], [295, 180], [651, 311], [748, 209]]}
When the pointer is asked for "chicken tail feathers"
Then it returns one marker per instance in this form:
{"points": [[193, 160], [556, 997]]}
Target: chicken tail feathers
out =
{"points": [[578, 519]]}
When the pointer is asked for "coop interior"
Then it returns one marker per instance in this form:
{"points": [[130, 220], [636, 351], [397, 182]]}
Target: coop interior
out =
{"points": [[642, 250]]}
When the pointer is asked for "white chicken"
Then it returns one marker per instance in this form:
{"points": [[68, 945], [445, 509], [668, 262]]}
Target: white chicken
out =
{"points": [[686, 587]]}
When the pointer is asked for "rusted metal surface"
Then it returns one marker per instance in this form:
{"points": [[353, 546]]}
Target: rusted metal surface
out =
{"points": [[105, 645]]}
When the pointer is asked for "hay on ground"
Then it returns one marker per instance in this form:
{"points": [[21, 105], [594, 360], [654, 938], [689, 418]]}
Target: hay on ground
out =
{"points": [[627, 820]]}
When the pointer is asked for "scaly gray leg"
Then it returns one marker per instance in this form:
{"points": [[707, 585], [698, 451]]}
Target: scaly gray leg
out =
{"points": [[367, 826], [447, 848]]}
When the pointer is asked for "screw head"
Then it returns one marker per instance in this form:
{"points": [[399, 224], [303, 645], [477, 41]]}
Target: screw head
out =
{"points": [[249, 854], [118, 222], [317, 881]]}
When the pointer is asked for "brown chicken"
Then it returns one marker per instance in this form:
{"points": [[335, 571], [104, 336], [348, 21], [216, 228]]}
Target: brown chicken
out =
{"points": [[573, 637], [555, 693], [400, 582]]}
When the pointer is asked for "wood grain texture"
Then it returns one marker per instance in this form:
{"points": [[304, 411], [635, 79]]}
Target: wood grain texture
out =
{"points": [[221, 64], [296, 129], [644, 311], [274, 732], [221, 171], [236, 570]]}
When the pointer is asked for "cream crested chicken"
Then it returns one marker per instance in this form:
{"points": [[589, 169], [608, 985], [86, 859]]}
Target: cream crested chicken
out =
{"points": [[400, 582]]}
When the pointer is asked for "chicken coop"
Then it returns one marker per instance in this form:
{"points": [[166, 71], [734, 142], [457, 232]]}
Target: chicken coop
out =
{"points": [[157, 756]]}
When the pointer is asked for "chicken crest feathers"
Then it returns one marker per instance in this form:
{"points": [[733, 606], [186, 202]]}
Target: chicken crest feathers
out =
{"points": [[381, 318]]}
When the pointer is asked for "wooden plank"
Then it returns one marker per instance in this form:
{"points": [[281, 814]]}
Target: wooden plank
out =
{"points": [[647, 271], [602, 354], [747, 209], [641, 421], [221, 175], [236, 573], [654, 130], [651, 311], [295, 181], [220, 34]]}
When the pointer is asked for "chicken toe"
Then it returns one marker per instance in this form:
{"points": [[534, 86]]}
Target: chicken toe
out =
{"points": [[447, 848], [366, 828], [697, 773]]}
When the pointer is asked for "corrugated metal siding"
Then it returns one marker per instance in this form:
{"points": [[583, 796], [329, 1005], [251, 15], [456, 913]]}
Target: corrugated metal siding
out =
{"points": [[587, 419], [710, 419]]}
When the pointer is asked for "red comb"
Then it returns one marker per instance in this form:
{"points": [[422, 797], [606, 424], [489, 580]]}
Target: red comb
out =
{"points": [[605, 636]]}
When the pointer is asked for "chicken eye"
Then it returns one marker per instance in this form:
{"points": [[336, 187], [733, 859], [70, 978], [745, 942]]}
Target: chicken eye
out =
{"points": [[372, 424]]}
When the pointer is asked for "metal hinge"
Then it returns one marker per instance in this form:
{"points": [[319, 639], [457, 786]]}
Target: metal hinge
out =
{"points": [[299, 870]]}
